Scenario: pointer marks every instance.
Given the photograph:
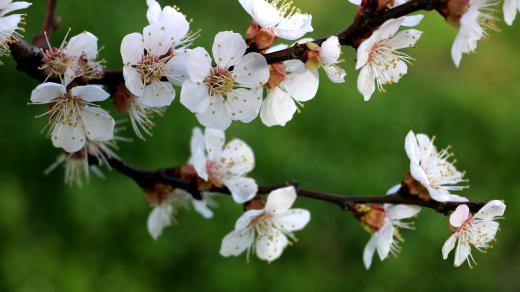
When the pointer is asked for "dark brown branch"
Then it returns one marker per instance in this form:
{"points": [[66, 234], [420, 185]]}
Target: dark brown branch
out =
{"points": [[50, 23], [147, 179]]}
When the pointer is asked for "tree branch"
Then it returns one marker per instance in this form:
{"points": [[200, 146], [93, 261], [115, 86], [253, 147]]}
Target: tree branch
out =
{"points": [[147, 179], [28, 58], [50, 23]]}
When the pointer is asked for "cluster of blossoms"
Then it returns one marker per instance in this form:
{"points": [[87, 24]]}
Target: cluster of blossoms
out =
{"points": [[236, 82], [432, 177], [266, 228]]}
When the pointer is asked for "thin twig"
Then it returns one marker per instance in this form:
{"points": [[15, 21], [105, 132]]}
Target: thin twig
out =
{"points": [[50, 23]]}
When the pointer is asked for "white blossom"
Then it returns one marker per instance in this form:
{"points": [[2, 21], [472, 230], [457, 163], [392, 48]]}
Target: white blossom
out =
{"points": [[147, 59], [73, 59], [379, 57], [269, 231], [474, 23], [165, 208], [510, 9], [279, 16], [385, 237], [9, 25], [179, 26], [433, 169], [223, 166], [219, 94], [290, 84], [73, 118], [477, 230]]}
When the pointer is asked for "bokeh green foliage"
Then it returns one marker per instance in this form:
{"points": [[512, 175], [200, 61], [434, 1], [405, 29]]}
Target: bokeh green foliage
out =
{"points": [[54, 238]]}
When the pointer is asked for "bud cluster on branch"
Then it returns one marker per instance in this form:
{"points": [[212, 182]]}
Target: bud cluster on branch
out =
{"points": [[241, 79]]}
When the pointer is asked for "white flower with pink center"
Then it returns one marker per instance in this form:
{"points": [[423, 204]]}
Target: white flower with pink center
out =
{"points": [[73, 116], [477, 230], [73, 59], [224, 166], [433, 169], [267, 232], [229, 91], [384, 226], [290, 84], [379, 57], [147, 59]]}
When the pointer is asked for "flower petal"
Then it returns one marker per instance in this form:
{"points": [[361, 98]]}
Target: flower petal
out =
{"points": [[335, 73], [398, 212], [236, 242], [90, 93], [238, 158], [214, 140], [198, 64], [46, 92], [159, 218], [176, 22], [13, 6], [195, 96], [278, 108], [216, 116], [251, 71], [69, 138], [243, 189], [300, 83], [405, 39], [462, 251], [368, 252], [491, 210], [412, 20], [509, 9], [280, 201], [266, 14], [99, 125], [133, 81], [83, 44], [448, 246], [158, 38], [293, 219], [176, 69], [132, 48], [243, 105], [294, 27], [154, 11], [158, 94], [385, 238], [228, 49], [330, 51], [270, 247], [366, 82], [459, 216]]}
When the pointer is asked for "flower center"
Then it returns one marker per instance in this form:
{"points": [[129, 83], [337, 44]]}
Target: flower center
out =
{"points": [[220, 81], [66, 110], [152, 67], [55, 62]]}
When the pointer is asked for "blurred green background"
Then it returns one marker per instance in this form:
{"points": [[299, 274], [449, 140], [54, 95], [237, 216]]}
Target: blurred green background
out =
{"points": [[54, 238]]}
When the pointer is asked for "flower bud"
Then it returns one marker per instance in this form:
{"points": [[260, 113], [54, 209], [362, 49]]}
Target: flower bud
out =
{"points": [[261, 37], [313, 56]]}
